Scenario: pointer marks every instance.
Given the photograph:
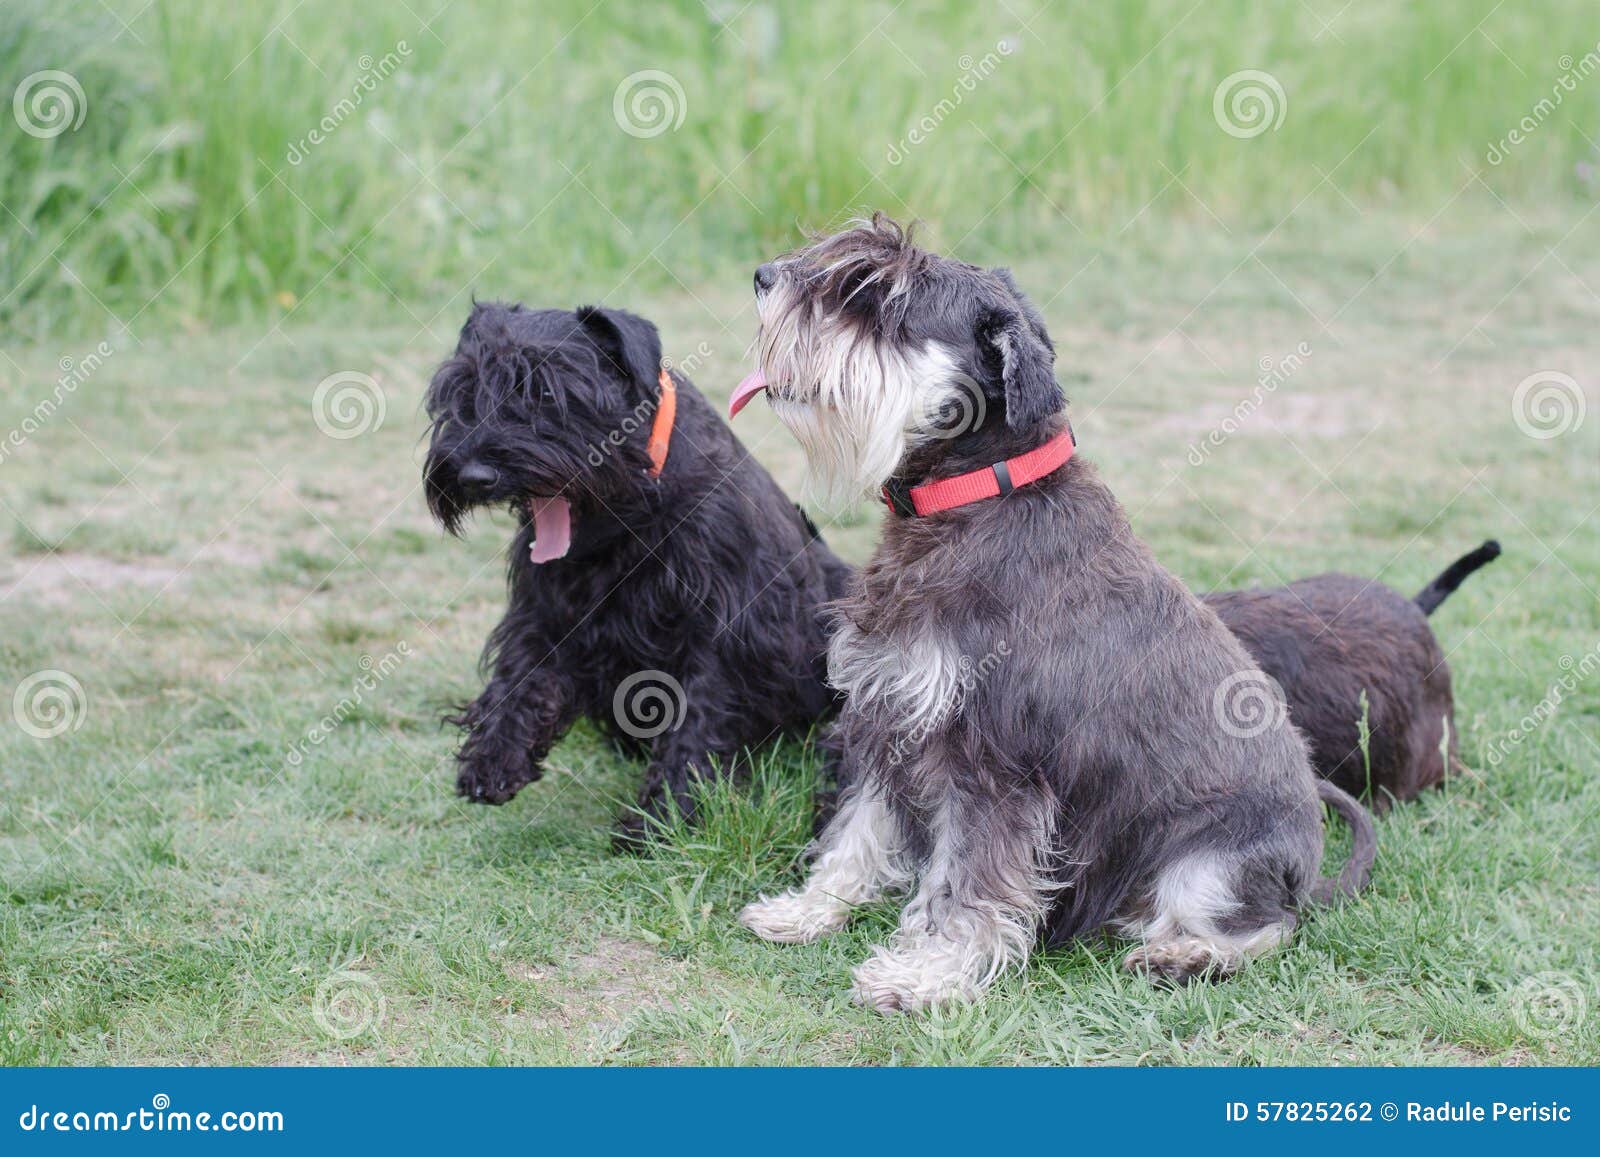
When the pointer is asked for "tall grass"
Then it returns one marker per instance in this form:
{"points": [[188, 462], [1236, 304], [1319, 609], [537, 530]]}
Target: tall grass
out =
{"points": [[489, 155]]}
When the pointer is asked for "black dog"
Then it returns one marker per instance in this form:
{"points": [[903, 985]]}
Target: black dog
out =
{"points": [[661, 584], [1332, 638]]}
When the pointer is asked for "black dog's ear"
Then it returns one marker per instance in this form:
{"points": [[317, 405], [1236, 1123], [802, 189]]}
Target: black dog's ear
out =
{"points": [[1022, 349], [631, 343]]}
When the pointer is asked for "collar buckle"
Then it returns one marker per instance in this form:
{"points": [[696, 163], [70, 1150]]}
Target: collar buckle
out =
{"points": [[897, 497]]}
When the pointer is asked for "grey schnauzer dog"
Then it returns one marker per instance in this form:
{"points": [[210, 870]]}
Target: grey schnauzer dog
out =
{"points": [[660, 583], [1040, 733]]}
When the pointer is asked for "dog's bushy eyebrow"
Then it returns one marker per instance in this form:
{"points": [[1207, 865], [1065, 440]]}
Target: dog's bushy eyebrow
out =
{"points": [[493, 365], [866, 269]]}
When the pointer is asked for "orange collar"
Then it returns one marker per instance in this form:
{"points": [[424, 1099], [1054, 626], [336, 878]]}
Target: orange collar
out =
{"points": [[661, 429]]}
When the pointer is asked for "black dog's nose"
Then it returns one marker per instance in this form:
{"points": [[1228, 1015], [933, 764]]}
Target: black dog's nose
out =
{"points": [[478, 476], [766, 276]]}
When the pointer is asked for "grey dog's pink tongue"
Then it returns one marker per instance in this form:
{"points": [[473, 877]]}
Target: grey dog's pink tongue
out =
{"points": [[746, 390], [552, 529]]}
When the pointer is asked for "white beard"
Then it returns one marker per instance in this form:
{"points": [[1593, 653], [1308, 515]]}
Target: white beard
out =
{"points": [[854, 405]]}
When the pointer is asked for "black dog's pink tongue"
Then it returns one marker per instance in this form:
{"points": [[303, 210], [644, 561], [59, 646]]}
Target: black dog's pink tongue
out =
{"points": [[744, 391], [552, 529]]}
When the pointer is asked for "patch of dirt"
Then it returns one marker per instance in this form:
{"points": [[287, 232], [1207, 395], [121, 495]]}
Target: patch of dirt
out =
{"points": [[590, 999], [1319, 414], [625, 974], [61, 577], [232, 553], [1309, 413]]}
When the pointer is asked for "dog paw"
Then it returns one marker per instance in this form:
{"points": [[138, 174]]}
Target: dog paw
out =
{"points": [[908, 981], [493, 785], [794, 917], [1176, 962]]}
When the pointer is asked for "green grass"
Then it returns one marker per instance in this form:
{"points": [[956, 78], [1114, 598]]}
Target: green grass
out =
{"points": [[488, 157], [189, 877]]}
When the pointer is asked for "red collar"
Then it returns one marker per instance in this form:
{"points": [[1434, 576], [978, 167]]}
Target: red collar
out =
{"points": [[661, 429], [991, 482]]}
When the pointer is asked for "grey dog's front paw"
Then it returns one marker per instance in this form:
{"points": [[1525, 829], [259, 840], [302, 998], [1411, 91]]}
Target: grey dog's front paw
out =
{"points": [[794, 917]]}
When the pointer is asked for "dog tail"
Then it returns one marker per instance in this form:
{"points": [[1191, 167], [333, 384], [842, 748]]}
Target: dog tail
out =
{"points": [[1441, 588], [1357, 870]]}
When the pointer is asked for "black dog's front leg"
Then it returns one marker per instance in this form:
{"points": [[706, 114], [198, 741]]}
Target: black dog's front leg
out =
{"points": [[510, 728], [703, 745]]}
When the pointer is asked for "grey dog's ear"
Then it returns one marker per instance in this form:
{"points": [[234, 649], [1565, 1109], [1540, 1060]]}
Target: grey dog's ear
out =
{"points": [[1027, 364], [628, 341]]}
